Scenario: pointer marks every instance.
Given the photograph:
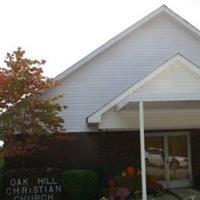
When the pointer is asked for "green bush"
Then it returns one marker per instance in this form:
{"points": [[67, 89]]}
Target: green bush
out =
{"points": [[2, 164], [1, 176], [81, 184]]}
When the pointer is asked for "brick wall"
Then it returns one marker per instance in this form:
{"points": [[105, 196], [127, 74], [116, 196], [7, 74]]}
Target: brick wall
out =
{"points": [[195, 151], [110, 151]]}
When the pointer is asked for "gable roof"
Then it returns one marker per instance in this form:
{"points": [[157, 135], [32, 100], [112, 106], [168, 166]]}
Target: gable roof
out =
{"points": [[161, 10], [121, 99]]}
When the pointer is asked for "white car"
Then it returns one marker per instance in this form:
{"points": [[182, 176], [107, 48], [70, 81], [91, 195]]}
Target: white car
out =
{"points": [[155, 157], [178, 162]]}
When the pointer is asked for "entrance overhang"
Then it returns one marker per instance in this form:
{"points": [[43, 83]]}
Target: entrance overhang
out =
{"points": [[176, 80], [170, 95]]}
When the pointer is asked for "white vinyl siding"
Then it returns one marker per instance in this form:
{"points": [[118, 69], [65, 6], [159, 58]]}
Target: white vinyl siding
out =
{"points": [[176, 82], [122, 65]]}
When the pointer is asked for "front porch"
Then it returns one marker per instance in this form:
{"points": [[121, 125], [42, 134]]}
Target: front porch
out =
{"points": [[169, 155], [167, 99], [123, 150]]}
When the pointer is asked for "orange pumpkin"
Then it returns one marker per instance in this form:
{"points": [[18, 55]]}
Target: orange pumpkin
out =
{"points": [[152, 180], [131, 171], [111, 183]]}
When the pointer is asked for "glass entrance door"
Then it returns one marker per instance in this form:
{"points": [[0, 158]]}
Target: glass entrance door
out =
{"points": [[155, 157], [178, 161], [168, 159]]}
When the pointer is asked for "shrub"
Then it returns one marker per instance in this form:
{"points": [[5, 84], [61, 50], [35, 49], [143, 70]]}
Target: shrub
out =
{"points": [[2, 164], [80, 184], [1, 176]]}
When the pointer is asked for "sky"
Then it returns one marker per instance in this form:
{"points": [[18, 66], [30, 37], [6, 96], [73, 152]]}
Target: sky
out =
{"points": [[64, 31]]}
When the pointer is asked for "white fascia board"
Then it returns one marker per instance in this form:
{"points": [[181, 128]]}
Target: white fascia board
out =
{"points": [[160, 99], [184, 23], [195, 68], [123, 103], [118, 101]]}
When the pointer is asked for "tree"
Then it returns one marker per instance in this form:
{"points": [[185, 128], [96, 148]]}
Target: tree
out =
{"points": [[23, 109], [25, 115]]}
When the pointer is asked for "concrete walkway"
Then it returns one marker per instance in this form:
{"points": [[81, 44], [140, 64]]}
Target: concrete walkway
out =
{"points": [[179, 194], [165, 196], [186, 193]]}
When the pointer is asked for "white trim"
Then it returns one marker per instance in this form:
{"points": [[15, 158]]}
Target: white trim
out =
{"points": [[123, 103], [124, 97], [134, 99], [163, 9], [196, 97], [142, 150]]}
